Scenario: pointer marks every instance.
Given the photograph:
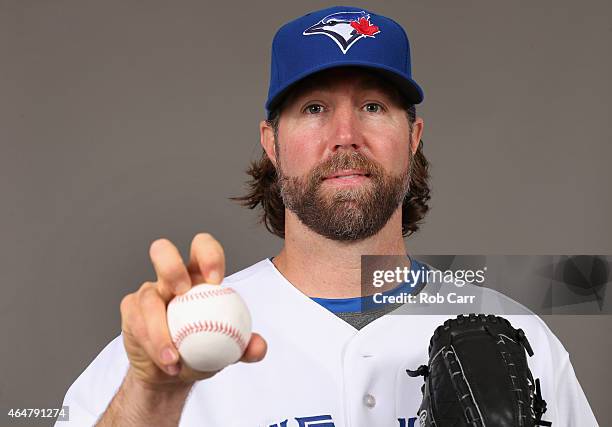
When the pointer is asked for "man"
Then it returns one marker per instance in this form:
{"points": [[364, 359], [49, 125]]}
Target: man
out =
{"points": [[342, 175]]}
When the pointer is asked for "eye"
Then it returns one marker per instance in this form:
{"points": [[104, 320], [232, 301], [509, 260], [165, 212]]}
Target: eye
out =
{"points": [[313, 109], [373, 107]]}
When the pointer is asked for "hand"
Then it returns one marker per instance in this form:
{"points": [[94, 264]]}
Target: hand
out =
{"points": [[154, 360]]}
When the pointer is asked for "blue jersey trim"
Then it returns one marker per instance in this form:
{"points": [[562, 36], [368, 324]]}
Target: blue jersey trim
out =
{"points": [[355, 304]]}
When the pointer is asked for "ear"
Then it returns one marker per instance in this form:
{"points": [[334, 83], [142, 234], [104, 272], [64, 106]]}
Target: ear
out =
{"points": [[266, 139], [417, 132]]}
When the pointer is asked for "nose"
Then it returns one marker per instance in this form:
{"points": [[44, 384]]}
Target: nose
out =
{"points": [[345, 132]]}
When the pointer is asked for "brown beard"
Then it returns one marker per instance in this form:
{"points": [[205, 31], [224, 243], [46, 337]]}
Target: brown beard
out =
{"points": [[345, 214]]}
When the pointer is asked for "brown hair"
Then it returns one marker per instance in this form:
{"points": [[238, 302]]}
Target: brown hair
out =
{"points": [[264, 189]]}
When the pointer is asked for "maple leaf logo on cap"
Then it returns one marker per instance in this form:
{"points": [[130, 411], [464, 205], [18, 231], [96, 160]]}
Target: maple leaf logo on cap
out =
{"points": [[363, 26]]}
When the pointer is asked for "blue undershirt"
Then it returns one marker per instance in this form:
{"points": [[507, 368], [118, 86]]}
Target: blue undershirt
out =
{"points": [[355, 304]]}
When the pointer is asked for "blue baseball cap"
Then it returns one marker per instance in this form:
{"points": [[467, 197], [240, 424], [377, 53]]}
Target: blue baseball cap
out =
{"points": [[335, 37]]}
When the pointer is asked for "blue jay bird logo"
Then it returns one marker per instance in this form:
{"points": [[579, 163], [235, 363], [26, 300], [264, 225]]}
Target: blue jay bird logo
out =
{"points": [[344, 28]]}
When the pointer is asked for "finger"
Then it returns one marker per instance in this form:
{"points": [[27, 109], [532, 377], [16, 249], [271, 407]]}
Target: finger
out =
{"points": [[160, 346], [129, 318], [124, 307], [132, 326], [256, 349], [172, 276], [206, 260]]}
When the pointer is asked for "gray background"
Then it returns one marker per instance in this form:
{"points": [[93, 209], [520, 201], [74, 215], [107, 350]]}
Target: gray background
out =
{"points": [[122, 122]]}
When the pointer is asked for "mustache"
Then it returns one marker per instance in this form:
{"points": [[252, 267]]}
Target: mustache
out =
{"points": [[342, 161]]}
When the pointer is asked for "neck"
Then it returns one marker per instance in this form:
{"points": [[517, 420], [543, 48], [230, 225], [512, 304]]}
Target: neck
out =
{"points": [[324, 268]]}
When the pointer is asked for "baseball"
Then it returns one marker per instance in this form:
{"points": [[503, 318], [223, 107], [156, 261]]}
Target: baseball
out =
{"points": [[210, 326]]}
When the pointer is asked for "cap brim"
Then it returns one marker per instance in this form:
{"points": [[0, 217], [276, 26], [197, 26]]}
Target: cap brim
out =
{"points": [[408, 88]]}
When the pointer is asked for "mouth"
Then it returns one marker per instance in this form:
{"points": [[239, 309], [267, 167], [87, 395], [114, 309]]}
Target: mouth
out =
{"points": [[348, 174], [347, 178]]}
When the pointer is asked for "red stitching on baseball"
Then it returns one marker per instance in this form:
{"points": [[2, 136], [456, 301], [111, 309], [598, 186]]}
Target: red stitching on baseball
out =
{"points": [[203, 295], [209, 326]]}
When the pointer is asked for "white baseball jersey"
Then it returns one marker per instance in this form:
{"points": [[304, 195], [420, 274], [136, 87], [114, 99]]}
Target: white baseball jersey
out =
{"points": [[320, 371]]}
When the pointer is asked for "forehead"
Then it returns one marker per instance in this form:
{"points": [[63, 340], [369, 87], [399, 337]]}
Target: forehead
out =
{"points": [[334, 78]]}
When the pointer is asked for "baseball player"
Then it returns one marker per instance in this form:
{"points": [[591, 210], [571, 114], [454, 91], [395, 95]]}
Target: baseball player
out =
{"points": [[342, 174]]}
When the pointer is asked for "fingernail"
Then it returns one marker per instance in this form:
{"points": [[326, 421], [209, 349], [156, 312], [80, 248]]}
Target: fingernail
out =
{"points": [[168, 355], [172, 369], [214, 277]]}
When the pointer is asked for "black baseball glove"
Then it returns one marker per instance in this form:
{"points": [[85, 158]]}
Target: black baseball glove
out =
{"points": [[478, 376]]}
